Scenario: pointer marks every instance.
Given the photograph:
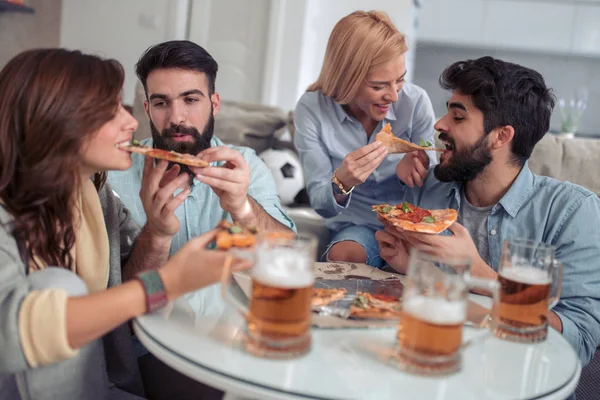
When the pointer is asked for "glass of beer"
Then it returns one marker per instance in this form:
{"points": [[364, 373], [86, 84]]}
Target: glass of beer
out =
{"points": [[530, 280], [434, 308], [278, 317]]}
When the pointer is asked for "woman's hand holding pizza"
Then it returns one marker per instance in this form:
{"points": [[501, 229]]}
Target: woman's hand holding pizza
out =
{"points": [[194, 267], [358, 165], [230, 182], [412, 169]]}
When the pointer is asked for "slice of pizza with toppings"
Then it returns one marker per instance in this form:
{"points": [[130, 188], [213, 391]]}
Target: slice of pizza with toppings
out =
{"points": [[231, 235], [412, 218], [395, 145], [136, 147], [375, 306], [324, 296]]}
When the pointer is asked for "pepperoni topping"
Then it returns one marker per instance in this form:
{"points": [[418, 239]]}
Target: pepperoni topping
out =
{"points": [[412, 213]]}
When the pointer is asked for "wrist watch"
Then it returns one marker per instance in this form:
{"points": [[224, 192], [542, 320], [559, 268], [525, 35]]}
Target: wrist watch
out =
{"points": [[156, 296], [337, 185]]}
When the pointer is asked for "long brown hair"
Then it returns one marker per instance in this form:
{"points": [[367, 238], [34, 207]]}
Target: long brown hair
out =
{"points": [[359, 42], [51, 102]]}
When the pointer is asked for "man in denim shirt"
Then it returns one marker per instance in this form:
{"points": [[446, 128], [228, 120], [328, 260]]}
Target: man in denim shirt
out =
{"points": [[498, 111]]}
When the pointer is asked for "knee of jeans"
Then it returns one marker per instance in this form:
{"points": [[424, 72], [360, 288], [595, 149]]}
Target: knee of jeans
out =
{"points": [[58, 278]]}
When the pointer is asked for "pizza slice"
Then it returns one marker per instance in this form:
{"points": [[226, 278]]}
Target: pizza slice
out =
{"points": [[376, 306], [324, 296], [396, 145], [135, 147], [231, 235], [412, 218]]}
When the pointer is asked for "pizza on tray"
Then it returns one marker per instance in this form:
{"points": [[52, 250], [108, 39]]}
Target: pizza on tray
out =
{"points": [[412, 218], [135, 147], [375, 306], [324, 296], [231, 235], [396, 145]]}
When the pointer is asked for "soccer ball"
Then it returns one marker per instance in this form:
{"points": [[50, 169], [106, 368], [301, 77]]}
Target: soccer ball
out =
{"points": [[287, 172]]}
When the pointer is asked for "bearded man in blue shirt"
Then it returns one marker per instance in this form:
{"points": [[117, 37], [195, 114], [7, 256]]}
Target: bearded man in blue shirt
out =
{"points": [[497, 113]]}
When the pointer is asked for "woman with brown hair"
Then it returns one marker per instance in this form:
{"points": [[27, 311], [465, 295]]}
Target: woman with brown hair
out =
{"points": [[361, 88], [66, 242]]}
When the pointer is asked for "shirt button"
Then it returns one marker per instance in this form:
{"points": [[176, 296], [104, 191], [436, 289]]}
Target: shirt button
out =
{"points": [[194, 234], [493, 232]]}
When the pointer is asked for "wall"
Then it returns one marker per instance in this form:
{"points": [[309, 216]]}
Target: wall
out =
{"points": [[235, 33], [121, 29], [19, 31], [563, 73]]}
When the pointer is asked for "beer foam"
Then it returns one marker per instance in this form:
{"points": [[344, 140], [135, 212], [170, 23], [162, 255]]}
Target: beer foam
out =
{"points": [[435, 310], [526, 274], [284, 268]]}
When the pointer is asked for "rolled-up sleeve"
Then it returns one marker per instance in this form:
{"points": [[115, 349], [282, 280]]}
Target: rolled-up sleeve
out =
{"points": [[263, 190], [316, 162], [32, 323], [578, 248], [43, 327]]}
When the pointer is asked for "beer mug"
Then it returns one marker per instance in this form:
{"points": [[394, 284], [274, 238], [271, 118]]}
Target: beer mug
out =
{"points": [[278, 318], [434, 308], [530, 281]]}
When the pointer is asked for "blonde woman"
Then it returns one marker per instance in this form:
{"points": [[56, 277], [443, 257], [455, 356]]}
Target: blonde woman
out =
{"points": [[360, 88]]}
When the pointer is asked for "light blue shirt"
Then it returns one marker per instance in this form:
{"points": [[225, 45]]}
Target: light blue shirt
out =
{"points": [[543, 209], [200, 211], [325, 134]]}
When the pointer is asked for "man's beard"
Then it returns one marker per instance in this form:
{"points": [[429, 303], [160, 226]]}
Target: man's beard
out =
{"points": [[464, 165], [200, 142]]}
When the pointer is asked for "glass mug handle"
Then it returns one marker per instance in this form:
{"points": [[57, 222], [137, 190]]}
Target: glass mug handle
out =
{"points": [[229, 298], [488, 285], [556, 272]]}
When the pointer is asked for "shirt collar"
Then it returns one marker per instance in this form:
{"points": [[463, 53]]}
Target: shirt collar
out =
{"points": [[340, 113], [518, 192]]}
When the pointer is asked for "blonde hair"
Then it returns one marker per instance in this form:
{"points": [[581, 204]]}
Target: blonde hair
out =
{"points": [[359, 42]]}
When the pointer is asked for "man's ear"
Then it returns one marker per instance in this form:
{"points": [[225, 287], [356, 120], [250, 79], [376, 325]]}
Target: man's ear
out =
{"points": [[147, 109], [215, 99], [504, 135]]}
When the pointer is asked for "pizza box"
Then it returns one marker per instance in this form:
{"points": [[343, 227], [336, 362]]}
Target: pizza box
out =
{"points": [[360, 277]]}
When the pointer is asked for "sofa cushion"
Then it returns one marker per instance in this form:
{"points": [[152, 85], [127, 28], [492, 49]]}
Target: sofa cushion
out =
{"points": [[252, 125], [575, 160]]}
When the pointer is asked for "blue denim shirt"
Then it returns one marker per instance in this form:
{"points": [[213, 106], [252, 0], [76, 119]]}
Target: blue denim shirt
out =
{"points": [[325, 134], [546, 210]]}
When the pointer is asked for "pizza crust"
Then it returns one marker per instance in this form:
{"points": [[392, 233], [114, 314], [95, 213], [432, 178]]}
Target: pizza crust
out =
{"points": [[179, 158], [395, 145], [323, 296]]}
